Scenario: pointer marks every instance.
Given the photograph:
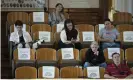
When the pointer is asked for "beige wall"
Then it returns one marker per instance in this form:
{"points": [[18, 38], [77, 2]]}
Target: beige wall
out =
{"points": [[75, 3], [124, 5]]}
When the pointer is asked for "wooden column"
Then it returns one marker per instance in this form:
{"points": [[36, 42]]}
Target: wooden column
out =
{"points": [[104, 5]]}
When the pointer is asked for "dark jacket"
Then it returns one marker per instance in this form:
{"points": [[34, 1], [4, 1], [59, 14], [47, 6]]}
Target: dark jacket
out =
{"points": [[94, 59]]}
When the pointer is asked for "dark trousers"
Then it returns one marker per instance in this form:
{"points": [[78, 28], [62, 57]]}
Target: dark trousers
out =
{"points": [[76, 45]]}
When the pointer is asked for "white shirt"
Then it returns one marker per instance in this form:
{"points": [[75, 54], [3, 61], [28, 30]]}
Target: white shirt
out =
{"points": [[15, 37], [63, 37]]}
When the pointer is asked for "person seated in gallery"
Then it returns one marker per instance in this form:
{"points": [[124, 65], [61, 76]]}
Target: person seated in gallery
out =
{"points": [[94, 56], [20, 38], [57, 16], [117, 69], [109, 36], [69, 36]]}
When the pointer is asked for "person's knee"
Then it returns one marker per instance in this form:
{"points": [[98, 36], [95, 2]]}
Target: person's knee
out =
{"points": [[117, 45], [103, 65], [104, 46], [78, 46], [27, 45], [86, 64], [19, 45]]}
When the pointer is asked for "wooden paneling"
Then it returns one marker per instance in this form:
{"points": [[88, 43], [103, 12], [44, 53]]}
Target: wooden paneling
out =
{"points": [[91, 16]]}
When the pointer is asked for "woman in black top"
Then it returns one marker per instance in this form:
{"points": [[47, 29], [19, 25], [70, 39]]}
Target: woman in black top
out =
{"points": [[69, 36], [95, 56]]}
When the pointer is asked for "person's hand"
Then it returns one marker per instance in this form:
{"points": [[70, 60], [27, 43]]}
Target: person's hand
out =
{"points": [[112, 77], [19, 45], [109, 40], [96, 53], [16, 42], [68, 42], [34, 46], [129, 77], [73, 40]]}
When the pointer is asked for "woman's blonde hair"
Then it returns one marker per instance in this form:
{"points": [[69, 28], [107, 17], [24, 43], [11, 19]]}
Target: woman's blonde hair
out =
{"points": [[94, 43]]}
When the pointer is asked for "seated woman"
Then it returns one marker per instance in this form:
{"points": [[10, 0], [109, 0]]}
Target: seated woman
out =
{"points": [[94, 56], [108, 35], [20, 38], [69, 36], [57, 15]]}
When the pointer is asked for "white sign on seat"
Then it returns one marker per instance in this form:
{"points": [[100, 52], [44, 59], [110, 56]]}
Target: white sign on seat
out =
{"points": [[93, 72], [38, 16], [101, 26], [44, 35], [67, 53], [48, 72], [128, 36], [24, 28], [88, 36], [111, 51], [24, 53], [59, 27]]}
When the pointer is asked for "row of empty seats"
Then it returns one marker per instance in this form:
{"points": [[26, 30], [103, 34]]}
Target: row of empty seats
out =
{"points": [[65, 72], [118, 18], [24, 17]]}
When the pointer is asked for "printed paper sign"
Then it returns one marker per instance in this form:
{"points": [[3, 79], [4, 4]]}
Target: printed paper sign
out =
{"points": [[111, 51], [48, 71], [88, 36], [128, 36], [67, 53], [43, 35], [24, 28], [38, 16], [60, 27], [101, 26], [24, 53], [93, 72]]}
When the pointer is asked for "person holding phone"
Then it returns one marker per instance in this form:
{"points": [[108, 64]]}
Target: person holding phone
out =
{"points": [[69, 36]]}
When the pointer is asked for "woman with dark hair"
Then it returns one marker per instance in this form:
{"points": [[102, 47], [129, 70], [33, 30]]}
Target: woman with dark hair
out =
{"points": [[69, 36], [109, 35], [20, 38], [57, 15]]}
